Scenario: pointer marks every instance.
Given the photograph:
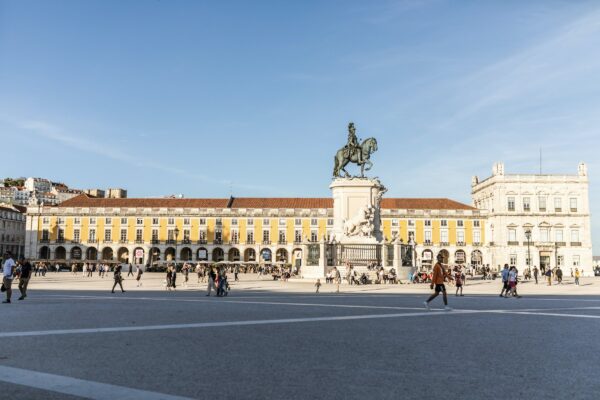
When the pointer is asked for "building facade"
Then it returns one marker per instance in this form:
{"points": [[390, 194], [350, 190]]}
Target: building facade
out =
{"points": [[238, 229], [539, 220], [12, 229]]}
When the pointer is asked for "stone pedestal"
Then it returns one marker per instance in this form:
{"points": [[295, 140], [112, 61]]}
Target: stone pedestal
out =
{"points": [[353, 199]]}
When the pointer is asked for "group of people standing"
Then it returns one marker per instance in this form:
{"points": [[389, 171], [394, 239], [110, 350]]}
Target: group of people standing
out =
{"points": [[15, 270]]}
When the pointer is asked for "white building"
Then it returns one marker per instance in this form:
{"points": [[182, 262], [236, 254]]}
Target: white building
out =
{"points": [[38, 185], [21, 196], [63, 194], [541, 218]]}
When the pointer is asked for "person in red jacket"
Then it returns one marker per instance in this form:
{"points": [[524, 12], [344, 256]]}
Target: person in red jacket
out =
{"points": [[437, 282]]}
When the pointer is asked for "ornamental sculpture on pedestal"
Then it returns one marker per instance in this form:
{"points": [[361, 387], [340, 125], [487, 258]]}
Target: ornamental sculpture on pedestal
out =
{"points": [[355, 153]]}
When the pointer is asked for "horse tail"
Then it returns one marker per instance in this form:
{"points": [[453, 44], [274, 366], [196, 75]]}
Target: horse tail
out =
{"points": [[336, 163]]}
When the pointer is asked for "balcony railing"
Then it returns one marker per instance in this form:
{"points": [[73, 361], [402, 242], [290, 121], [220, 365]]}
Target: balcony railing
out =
{"points": [[123, 241], [513, 243], [92, 240], [460, 243], [202, 241], [282, 241], [107, 241], [75, 241], [171, 241], [60, 240], [155, 241], [561, 244], [186, 241], [218, 241], [266, 242], [427, 243], [139, 241], [476, 244], [234, 242], [575, 243], [444, 244], [250, 241], [44, 240], [297, 241]]}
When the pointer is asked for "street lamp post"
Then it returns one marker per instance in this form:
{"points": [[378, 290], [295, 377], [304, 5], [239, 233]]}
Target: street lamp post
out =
{"points": [[528, 236], [556, 254], [176, 236]]}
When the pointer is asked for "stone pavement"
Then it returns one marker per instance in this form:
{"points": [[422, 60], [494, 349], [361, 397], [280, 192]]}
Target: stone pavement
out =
{"points": [[71, 338], [251, 282]]}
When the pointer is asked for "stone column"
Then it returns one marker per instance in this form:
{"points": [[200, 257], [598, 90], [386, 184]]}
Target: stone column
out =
{"points": [[322, 256], [384, 255]]}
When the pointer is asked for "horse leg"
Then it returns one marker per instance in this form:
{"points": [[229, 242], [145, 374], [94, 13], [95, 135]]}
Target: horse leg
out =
{"points": [[369, 163], [342, 168]]}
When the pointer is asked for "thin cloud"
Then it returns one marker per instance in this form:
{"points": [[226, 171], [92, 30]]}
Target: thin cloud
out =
{"points": [[54, 133], [569, 53]]}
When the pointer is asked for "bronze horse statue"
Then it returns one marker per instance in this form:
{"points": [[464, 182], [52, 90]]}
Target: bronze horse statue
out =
{"points": [[346, 155]]}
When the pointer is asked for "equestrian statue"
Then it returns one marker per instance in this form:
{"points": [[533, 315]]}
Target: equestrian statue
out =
{"points": [[355, 153]]}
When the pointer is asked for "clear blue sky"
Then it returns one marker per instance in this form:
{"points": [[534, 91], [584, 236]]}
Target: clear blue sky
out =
{"points": [[193, 97]]}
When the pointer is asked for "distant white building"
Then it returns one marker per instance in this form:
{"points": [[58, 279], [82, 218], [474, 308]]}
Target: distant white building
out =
{"points": [[21, 196], [540, 220], [38, 185], [64, 194]]}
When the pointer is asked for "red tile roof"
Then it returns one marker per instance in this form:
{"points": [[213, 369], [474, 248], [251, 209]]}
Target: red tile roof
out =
{"points": [[281, 202], [424, 204], [85, 200]]}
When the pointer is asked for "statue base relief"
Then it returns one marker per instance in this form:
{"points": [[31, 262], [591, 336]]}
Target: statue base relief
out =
{"points": [[356, 210]]}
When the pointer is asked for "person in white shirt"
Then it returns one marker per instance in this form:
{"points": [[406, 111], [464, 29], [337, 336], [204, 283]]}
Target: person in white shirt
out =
{"points": [[7, 275]]}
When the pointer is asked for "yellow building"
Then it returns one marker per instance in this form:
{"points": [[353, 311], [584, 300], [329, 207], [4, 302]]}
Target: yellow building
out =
{"points": [[237, 229]]}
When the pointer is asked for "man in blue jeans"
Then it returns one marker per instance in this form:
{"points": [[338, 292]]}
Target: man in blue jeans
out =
{"points": [[7, 275], [505, 287]]}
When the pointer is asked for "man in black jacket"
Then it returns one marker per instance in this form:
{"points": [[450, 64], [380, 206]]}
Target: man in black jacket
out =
{"points": [[24, 276], [118, 278]]}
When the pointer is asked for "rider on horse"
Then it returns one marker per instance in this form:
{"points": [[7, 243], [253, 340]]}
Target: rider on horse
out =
{"points": [[353, 145]]}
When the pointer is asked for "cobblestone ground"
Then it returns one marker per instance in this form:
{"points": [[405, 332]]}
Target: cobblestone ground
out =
{"points": [[71, 338]]}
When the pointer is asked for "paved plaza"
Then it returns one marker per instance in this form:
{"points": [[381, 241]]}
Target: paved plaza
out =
{"points": [[72, 338]]}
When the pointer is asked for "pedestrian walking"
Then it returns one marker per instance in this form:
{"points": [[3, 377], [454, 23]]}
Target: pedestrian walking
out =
{"points": [[200, 272], [168, 278], [512, 282], [212, 276], [437, 283], [559, 275], [505, 287], [318, 285], [24, 276], [174, 276], [186, 274], [118, 279], [222, 286], [138, 278], [549, 276], [236, 271], [338, 279], [458, 280], [130, 270], [535, 274], [577, 275], [7, 275]]}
